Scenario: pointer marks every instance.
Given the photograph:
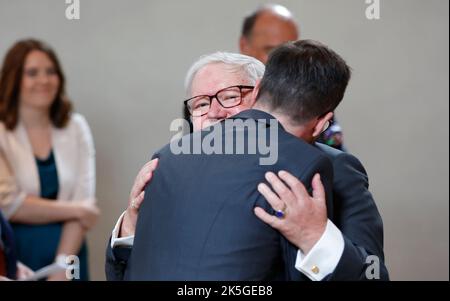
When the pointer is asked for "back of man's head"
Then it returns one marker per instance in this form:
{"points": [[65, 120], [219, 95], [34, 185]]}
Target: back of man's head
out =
{"points": [[303, 80]]}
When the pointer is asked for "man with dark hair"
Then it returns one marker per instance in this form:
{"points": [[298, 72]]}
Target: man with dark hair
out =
{"points": [[304, 82], [265, 29], [319, 76], [333, 248]]}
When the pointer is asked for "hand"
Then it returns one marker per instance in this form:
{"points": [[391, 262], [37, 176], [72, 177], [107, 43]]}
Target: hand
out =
{"points": [[87, 213], [305, 217], [23, 271], [137, 193], [60, 276]]}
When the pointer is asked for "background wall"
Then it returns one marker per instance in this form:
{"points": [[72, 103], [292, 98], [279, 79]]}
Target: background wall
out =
{"points": [[125, 62]]}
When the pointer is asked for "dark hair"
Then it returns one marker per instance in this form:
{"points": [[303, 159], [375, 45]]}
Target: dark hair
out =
{"points": [[249, 23], [252, 17], [304, 79], [11, 78]]}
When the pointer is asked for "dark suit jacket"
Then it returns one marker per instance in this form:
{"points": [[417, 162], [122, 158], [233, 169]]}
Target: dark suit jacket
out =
{"points": [[7, 248], [197, 220], [356, 215]]}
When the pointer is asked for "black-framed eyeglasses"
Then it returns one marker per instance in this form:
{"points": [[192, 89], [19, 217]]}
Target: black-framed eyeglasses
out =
{"points": [[228, 97]]}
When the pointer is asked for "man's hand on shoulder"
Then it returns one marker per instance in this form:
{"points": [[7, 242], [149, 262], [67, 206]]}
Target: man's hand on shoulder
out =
{"points": [[301, 218], [128, 226]]}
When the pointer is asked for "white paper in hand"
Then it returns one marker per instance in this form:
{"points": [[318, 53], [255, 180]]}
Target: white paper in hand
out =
{"points": [[46, 271]]}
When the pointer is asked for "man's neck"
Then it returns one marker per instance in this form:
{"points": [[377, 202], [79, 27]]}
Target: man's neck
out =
{"points": [[289, 126]]}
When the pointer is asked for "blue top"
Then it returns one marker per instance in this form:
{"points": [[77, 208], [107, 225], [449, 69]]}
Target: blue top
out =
{"points": [[37, 244], [48, 177]]}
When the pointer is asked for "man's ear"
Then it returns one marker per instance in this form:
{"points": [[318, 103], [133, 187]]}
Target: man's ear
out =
{"points": [[255, 92], [243, 44], [320, 125]]}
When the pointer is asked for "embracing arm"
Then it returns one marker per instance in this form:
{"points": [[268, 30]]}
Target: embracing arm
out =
{"points": [[344, 249], [121, 242], [305, 226], [357, 216]]}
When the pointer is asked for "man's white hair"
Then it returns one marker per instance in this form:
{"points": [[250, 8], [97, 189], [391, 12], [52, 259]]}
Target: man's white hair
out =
{"points": [[249, 67]]}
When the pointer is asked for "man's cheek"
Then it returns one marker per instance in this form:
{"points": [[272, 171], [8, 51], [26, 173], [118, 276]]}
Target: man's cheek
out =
{"points": [[237, 110], [201, 122]]}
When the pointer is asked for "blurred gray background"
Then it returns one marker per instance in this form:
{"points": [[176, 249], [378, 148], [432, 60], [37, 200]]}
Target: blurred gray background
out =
{"points": [[125, 62]]}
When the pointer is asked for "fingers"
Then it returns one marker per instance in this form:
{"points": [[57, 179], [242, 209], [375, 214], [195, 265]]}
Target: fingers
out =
{"points": [[90, 216], [267, 218], [318, 189], [28, 272], [143, 177], [139, 199], [154, 164], [270, 196], [295, 185], [93, 210], [23, 271], [280, 188]]}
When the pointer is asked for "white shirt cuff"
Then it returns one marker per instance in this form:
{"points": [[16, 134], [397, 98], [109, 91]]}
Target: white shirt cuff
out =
{"points": [[117, 241], [323, 258]]}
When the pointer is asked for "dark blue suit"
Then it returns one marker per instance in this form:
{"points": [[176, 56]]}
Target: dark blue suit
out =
{"points": [[197, 220], [356, 215], [353, 211]]}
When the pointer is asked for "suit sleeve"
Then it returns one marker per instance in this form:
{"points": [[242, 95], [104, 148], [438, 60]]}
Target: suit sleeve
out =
{"points": [[116, 262], [117, 257], [357, 216]]}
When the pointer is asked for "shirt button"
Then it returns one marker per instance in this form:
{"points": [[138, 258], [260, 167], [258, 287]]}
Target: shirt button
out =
{"points": [[315, 269]]}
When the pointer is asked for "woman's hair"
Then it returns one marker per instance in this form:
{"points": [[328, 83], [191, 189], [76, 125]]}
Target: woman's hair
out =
{"points": [[10, 82]]}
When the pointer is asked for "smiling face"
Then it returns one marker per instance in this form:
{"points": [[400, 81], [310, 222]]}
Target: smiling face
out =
{"points": [[40, 81], [212, 78]]}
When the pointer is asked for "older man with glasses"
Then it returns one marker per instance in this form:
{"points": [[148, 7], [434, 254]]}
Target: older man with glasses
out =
{"points": [[336, 248]]}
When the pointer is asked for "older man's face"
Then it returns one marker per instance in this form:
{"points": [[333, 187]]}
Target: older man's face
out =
{"points": [[208, 81]]}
